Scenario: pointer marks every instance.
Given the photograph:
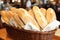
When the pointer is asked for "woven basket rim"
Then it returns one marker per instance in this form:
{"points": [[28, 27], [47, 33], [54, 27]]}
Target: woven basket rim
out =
{"points": [[37, 32], [29, 31]]}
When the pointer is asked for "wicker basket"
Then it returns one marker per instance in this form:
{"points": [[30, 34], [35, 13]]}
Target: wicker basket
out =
{"points": [[21, 34], [0, 24]]}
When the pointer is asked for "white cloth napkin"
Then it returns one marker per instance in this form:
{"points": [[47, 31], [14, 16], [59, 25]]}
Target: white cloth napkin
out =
{"points": [[53, 25], [30, 26], [12, 22]]}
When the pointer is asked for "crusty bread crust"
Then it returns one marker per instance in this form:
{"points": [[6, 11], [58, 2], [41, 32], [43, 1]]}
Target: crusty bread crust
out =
{"points": [[23, 14], [40, 17], [50, 16]]}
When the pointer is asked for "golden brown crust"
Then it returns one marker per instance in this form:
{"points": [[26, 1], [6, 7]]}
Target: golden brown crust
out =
{"points": [[31, 13], [39, 17], [13, 9], [43, 10], [16, 19], [4, 17], [51, 16], [23, 14]]}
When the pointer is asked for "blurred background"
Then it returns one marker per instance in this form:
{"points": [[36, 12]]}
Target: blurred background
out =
{"points": [[55, 4]]}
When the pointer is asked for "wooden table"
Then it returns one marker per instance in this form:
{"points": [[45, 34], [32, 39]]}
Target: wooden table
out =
{"points": [[56, 38], [4, 35]]}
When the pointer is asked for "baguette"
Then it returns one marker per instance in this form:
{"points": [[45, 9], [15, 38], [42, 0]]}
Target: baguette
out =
{"points": [[5, 20], [51, 16], [16, 19], [4, 17], [23, 14], [31, 13], [39, 17], [43, 10], [13, 9]]}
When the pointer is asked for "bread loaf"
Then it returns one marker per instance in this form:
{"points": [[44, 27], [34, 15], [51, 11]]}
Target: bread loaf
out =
{"points": [[39, 17], [43, 10], [31, 13], [26, 18], [4, 17], [50, 16], [16, 19], [13, 9]]}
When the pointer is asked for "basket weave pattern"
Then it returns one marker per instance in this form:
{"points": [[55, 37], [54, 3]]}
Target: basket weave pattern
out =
{"points": [[18, 34]]}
